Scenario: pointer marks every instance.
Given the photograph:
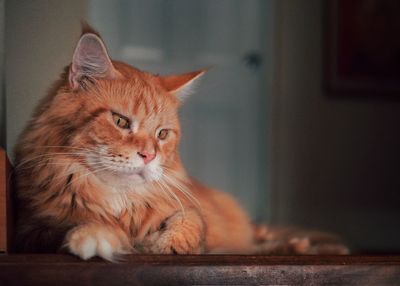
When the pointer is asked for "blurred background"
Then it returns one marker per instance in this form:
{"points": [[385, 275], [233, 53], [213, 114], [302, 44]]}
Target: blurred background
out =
{"points": [[299, 117]]}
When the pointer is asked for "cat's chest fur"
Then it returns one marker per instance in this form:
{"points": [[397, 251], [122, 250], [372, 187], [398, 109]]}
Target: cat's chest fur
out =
{"points": [[137, 210]]}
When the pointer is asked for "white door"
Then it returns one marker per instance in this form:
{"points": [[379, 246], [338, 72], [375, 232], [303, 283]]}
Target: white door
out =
{"points": [[224, 123]]}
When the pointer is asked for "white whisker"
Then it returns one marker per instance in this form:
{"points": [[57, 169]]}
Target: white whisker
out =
{"points": [[168, 195], [181, 187], [49, 155], [170, 191], [90, 172]]}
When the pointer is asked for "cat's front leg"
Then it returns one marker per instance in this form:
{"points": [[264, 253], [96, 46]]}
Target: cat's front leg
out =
{"points": [[182, 233], [91, 240]]}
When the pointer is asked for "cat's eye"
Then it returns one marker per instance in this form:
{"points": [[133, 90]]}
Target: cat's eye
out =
{"points": [[121, 121], [163, 134]]}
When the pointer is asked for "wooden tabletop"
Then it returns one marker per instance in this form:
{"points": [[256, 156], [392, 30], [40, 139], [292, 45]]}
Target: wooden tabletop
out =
{"points": [[200, 270]]}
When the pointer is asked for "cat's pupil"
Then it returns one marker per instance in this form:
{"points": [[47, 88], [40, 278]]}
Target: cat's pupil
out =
{"points": [[120, 121], [162, 135]]}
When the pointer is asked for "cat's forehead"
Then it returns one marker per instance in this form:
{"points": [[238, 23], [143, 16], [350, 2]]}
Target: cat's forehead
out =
{"points": [[138, 99]]}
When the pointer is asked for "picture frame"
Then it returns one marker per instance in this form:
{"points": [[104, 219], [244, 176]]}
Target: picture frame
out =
{"points": [[363, 47]]}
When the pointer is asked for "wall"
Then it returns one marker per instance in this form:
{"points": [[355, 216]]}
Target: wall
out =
{"points": [[2, 93], [38, 34], [336, 158]]}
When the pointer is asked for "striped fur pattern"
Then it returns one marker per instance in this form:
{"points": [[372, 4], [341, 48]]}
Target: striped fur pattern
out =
{"points": [[98, 172], [88, 185]]}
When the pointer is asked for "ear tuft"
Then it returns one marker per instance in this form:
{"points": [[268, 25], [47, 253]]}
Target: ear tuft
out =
{"points": [[87, 29], [182, 85], [90, 61]]}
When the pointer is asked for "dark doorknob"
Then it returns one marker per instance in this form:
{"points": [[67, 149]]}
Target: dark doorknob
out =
{"points": [[253, 60]]}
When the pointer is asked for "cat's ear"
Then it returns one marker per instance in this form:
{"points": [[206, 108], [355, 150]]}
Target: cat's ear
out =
{"points": [[90, 61], [182, 85]]}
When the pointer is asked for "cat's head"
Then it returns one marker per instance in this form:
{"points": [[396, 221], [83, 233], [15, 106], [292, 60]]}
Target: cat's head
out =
{"points": [[125, 121]]}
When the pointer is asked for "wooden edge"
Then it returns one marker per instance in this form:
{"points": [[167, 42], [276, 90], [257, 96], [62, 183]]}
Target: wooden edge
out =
{"points": [[6, 210], [207, 259], [200, 270]]}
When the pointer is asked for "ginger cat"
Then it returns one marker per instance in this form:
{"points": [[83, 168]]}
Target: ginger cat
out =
{"points": [[98, 170]]}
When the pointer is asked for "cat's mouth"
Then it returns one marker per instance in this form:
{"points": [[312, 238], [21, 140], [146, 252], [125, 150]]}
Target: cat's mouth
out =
{"points": [[126, 174]]}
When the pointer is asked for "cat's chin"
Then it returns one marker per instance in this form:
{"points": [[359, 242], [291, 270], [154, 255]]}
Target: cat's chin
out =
{"points": [[122, 179], [131, 178]]}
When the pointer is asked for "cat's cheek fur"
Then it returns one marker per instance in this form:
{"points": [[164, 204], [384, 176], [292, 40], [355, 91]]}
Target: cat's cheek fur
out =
{"points": [[87, 241], [168, 149]]}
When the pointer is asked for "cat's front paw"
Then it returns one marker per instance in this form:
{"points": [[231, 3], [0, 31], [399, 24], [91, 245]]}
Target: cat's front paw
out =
{"points": [[87, 241], [173, 242], [182, 233]]}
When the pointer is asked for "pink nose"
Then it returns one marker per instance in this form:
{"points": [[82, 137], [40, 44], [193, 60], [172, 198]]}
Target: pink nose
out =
{"points": [[147, 157]]}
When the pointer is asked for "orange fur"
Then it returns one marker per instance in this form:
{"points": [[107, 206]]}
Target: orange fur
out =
{"points": [[95, 188], [64, 199]]}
